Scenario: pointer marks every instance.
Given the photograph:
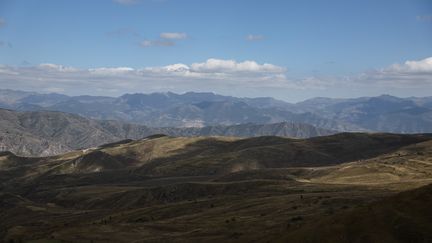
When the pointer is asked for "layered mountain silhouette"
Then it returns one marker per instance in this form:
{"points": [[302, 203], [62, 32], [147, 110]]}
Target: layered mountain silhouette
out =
{"points": [[43, 133], [383, 113]]}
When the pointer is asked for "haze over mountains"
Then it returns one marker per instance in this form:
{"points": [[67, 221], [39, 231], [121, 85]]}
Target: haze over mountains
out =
{"points": [[43, 133], [383, 113]]}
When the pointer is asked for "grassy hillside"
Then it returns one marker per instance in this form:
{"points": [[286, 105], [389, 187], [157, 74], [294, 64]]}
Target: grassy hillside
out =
{"points": [[201, 189], [405, 217]]}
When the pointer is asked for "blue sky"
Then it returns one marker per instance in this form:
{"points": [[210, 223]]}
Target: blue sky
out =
{"points": [[322, 48]]}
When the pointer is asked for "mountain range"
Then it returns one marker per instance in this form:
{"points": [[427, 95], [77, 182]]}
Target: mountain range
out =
{"points": [[43, 133], [382, 113]]}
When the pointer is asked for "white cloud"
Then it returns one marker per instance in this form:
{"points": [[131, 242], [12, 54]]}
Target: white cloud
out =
{"points": [[111, 71], [410, 73], [179, 67], [251, 37], [213, 74], [173, 35], [217, 75], [150, 43], [56, 67], [231, 66], [421, 66]]}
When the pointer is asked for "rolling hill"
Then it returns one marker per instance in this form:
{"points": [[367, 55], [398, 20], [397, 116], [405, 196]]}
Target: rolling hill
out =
{"points": [[228, 189]]}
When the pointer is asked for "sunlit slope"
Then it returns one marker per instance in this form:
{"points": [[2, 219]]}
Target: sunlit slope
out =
{"points": [[181, 156], [409, 163]]}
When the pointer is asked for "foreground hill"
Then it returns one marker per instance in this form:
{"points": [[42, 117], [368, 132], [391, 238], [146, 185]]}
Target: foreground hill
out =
{"points": [[222, 189], [199, 156], [46, 133], [405, 217]]}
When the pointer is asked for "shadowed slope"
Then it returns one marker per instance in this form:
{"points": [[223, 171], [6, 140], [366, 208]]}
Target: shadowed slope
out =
{"points": [[215, 156], [405, 217], [168, 156]]}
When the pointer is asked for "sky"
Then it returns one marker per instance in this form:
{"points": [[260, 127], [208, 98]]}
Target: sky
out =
{"points": [[290, 50]]}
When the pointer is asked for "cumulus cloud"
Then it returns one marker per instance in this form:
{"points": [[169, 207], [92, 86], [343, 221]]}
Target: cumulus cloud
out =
{"points": [[247, 73], [251, 37], [231, 66], [173, 35], [409, 73], [421, 66]]}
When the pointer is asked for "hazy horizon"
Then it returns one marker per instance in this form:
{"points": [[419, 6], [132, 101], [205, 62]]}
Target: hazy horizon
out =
{"points": [[182, 93]]}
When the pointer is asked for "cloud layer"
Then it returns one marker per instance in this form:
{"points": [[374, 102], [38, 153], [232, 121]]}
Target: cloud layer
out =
{"points": [[212, 74], [218, 75], [405, 75]]}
